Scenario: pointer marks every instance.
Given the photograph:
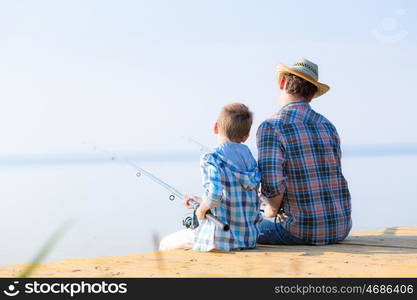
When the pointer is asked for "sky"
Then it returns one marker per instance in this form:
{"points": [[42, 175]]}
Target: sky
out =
{"points": [[142, 75]]}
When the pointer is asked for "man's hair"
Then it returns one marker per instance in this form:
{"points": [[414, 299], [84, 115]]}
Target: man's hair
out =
{"points": [[299, 87], [235, 121]]}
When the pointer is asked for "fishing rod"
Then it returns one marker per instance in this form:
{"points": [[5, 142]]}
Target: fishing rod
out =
{"points": [[189, 223], [202, 147]]}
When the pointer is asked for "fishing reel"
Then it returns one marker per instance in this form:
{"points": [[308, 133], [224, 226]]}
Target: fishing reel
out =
{"points": [[190, 222]]}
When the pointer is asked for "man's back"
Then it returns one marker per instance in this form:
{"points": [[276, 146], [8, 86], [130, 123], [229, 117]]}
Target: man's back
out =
{"points": [[299, 155]]}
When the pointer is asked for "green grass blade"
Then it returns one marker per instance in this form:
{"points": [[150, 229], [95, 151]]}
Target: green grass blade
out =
{"points": [[44, 251]]}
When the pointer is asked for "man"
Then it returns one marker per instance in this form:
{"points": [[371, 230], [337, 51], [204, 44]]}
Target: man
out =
{"points": [[300, 162]]}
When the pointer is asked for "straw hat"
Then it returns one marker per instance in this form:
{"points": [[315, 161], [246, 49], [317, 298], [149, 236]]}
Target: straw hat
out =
{"points": [[307, 70]]}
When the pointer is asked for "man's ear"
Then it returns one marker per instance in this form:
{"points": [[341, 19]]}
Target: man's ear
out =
{"points": [[216, 128], [282, 83]]}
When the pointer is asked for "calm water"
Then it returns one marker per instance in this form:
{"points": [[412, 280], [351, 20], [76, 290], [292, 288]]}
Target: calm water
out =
{"points": [[114, 212]]}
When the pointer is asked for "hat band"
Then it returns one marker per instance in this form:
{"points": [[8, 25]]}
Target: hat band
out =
{"points": [[312, 69], [302, 74]]}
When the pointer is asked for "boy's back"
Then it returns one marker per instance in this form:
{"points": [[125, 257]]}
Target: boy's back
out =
{"points": [[230, 180]]}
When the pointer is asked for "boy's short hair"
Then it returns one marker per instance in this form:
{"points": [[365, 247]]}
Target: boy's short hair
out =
{"points": [[299, 87], [235, 121]]}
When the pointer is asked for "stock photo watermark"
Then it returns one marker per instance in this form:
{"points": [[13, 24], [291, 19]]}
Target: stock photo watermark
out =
{"points": [[64, 288], [390, 29]]}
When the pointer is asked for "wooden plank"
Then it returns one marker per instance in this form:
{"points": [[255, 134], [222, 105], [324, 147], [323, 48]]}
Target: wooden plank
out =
{"points": [[399, 237]]}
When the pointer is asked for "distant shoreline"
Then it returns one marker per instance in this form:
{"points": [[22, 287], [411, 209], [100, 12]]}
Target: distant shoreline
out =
{"points": [[350, 151]]}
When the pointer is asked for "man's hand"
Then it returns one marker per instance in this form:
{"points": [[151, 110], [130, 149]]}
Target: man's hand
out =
{"points": [[189, 197], [201, 211], [272, 206], [269, 211]]}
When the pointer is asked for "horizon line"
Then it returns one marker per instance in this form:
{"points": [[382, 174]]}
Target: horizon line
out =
{"points": [[350, 151]]}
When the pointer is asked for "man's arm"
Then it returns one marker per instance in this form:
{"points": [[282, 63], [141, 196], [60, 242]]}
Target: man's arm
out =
{"points": [[276, 202], [271, 164], [273, 206]]}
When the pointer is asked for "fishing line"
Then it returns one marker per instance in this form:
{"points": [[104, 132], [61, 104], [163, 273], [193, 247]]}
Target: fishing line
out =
{"points": [[140, 171], [202, 147]]}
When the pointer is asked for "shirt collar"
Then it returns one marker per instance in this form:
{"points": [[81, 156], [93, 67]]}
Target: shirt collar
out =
{"points": [[294, 103]]}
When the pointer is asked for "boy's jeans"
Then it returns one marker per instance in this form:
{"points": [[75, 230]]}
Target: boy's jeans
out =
{"points": [[275, 234]]}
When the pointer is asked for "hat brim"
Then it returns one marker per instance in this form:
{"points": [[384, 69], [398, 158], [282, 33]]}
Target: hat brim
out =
{"points": [[321, 87]]}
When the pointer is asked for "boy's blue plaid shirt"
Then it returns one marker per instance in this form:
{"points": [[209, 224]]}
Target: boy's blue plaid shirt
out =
{"points": [[232, 195], [299, 156]]}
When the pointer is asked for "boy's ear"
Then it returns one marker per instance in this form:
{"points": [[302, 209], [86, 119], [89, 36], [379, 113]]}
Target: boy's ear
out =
{"points": [[216, 128], [282, 83], [244, 139]]}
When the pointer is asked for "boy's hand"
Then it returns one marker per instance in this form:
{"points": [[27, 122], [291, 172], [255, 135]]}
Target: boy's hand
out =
{"points": [[201, 211], [189, 197]]}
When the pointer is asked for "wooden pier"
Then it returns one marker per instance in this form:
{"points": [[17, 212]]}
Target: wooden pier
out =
{"points": [[391, 252]]}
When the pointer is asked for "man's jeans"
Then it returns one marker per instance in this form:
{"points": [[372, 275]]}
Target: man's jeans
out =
{"points": [[275, 234]]}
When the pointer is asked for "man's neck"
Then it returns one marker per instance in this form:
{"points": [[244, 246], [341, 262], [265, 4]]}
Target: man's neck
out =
{"points": [[287, 98]]}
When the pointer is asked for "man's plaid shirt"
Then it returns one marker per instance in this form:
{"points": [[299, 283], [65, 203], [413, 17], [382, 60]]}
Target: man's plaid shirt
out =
{"points": [[300, 157]]}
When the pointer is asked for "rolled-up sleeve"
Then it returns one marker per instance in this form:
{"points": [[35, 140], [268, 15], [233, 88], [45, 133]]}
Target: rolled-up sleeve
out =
{"points": [[270, 161], [213, 189]]}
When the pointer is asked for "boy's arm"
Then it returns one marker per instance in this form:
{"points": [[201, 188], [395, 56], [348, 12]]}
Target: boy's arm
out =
{"points": [[213, 189], [271, 164]]}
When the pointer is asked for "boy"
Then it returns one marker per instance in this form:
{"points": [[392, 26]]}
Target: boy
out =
{"points": [[230, 181]]}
